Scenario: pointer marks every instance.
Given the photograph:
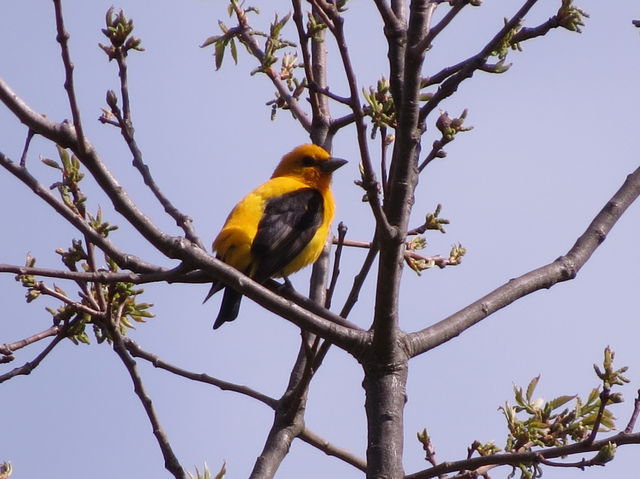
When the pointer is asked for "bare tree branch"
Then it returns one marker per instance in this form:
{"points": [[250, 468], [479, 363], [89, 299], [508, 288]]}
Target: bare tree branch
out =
{"points": [[329, 449], [8, 349], [124, 260], [359, 279], [27, 367], [634, 416], [138, 352], [171, 462], [65, 299], [435, 30], [183, 221], [63, 135], [63, 39], [103, 277], [27, 142], [564, 268], [342, 232], [469, 66]]}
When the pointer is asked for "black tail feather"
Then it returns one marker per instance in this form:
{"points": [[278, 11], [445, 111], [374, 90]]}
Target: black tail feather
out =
{"points": [[215, 287], [229, 308]]}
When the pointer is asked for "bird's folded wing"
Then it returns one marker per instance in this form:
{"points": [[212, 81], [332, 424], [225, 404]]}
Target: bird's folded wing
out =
{"points": [[289, 223]]}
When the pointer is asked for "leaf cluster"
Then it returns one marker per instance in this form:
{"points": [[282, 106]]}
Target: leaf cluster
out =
{"points": [[380, 108], [539, 423], [102, 305], [118, 31]]}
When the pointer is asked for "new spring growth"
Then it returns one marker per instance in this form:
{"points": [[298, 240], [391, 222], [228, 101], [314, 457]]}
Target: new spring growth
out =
{"points": [[609, 376], [605, 454], [274, 42], [483, 449], [73, 255], [29, 281], [69, 188], [450, 127], [571, 17], [380, 106], [507, 43], [434, 222], [314, 26], [118, 31], [425, 440], [228, 36]]}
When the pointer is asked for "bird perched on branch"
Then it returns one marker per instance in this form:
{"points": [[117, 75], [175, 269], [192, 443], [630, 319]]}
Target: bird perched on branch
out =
{"points": [[281, 226]]}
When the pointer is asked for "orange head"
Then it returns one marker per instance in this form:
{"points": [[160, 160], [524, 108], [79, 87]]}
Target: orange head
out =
{"points": [[310, 164]]}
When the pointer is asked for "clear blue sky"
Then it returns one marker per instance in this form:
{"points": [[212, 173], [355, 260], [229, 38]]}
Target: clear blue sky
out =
{"points": [[554, 138]]}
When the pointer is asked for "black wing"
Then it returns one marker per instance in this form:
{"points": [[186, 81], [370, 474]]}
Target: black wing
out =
{"points": [[288, 224]]}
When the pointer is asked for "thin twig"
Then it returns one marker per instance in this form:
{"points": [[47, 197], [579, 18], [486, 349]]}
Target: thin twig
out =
{"points": [[103, 277], [369, 181], [523, 34], [443, 74], [634, 415], [469, 66], [358, 280], [324, 10], [581, 464], [128, 133], [310, 305], [171, 462], [27, 142], [65, 136], [303, 37], [244, 32], [435, 30], [44, 289], [124, 260], [338, 123], [29, 366], [124, 86], [328, 93], [604, 399], [8, 349], [342, 232], [408, 254], [384, 146], [91, 261], [157, 362], [63, 39], [436, 152], [527, 33]]}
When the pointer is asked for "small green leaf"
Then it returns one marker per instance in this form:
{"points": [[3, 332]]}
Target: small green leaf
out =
{"points": [[51, 163], [210, 41], [560, 401], [234, 51], [532, 387], [219, 52]]}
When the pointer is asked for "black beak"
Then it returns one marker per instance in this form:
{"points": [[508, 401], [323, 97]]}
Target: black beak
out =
{"points": [[332, 164]]}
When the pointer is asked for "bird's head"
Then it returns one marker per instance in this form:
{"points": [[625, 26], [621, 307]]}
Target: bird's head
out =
{"points": [[311, 164]]}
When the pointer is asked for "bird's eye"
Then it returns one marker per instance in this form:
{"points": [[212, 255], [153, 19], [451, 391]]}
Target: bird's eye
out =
{"points": [[308, 161]]}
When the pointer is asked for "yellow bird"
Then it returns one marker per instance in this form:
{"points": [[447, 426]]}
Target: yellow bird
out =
{"points": [[281, 226]]}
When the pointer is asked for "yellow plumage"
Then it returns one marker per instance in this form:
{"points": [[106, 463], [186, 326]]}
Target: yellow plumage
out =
{"points": [[281, 226]]}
